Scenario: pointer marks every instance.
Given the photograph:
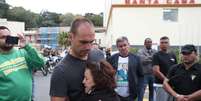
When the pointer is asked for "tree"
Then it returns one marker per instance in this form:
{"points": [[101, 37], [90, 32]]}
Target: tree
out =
{"points": [[20, 14], [96, 19], [63, 39], [50, 19], [66, 19], [3, 8]]}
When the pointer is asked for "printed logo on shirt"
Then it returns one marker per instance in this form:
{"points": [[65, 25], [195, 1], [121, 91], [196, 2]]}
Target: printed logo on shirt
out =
{"points": [[122, 72], [172, 59], [193, 77], [13, 65]]}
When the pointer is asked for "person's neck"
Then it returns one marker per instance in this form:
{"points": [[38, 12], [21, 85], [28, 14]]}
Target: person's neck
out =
{"points": [[77, 56], [188, 66], [148, 48], [124, 55]]}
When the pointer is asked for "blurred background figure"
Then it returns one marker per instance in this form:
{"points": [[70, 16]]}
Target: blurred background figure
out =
{"points": [[145, 55]]}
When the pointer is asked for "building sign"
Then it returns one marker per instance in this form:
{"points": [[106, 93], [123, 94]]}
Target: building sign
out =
{"points": [[159, 2]]}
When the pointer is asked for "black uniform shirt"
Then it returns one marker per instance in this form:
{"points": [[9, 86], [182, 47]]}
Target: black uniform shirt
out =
{"points": [[185, 81], [165, 61]]}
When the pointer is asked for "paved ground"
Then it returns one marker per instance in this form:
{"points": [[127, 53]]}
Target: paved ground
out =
{"points": [[42, 84]]}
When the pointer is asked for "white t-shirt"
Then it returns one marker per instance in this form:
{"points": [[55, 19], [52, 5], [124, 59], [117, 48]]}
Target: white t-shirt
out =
{"points": [[122, 77]]}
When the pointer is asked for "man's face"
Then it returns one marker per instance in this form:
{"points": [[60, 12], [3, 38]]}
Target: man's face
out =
{"points": [[148, 44], [164, 44], [123, 47], [189, 58], [81, 42], [3, 46]]}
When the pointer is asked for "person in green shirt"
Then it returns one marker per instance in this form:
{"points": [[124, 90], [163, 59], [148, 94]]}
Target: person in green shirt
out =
{"points": [[16, 66]]}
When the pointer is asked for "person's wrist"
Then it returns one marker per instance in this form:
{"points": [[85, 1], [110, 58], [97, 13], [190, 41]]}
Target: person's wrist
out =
{"points": [[177, 95]]}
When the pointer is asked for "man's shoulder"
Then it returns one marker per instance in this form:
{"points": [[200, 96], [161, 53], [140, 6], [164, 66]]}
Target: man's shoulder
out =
{"points": [[133, 55], [115, 55], [198, 66], [154, 50]]}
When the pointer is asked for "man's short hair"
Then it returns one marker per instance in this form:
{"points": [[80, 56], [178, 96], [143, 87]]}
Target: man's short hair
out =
{"points": [[147, 39], [77, 22], [4, 27], [121, 39], [164, 38]]}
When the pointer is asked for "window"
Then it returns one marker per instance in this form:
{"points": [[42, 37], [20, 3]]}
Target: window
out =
{"points": [[170, 15]]}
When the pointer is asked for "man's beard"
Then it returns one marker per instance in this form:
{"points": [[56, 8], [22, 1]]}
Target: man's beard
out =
{"points": [[6, 47], [189, 62]]}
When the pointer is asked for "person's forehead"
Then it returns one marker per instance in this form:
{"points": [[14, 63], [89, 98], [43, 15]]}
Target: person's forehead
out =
{"points": [[85, 28], [122, 42], [4, 32], [164, 40], [148, 40]]}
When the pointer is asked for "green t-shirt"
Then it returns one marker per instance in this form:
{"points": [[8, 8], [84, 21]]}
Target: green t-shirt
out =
{"points": [[15, 73]]}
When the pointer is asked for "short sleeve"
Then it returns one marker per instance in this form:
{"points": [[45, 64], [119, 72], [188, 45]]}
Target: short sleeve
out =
{"points": [[155, 59], [58, 83]]}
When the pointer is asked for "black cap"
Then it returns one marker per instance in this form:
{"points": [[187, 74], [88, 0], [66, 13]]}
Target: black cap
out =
{"points": [[189, 48]]}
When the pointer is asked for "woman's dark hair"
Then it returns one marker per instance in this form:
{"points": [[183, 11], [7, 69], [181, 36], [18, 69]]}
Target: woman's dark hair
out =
{"points": [[103, 74]]}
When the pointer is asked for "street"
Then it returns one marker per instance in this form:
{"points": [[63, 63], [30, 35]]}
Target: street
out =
{"points": [[42, 85]]}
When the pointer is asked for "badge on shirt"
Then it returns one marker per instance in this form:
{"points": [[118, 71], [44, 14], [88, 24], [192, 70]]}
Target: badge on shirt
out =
{"points": [[193, 77], [172, 59]]}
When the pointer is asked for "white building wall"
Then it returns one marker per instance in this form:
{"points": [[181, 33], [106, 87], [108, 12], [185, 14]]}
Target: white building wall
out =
{"points": [[109, 3], [100, 39], [140, 23], [14, 26]]}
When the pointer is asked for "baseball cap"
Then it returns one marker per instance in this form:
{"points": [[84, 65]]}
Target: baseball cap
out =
{"points": [[95, 55], [188, 49]]}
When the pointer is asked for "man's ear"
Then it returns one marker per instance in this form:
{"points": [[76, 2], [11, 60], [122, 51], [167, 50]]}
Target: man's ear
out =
{"points": [[71, 36]]}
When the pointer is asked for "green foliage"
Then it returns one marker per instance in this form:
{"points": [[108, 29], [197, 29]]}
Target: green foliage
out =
{"points": [[63, 39], [20, 14], [96, 19], [133, 50], [66, 19], [176, 51], [45, 18], [3, 8], [50, 19]]}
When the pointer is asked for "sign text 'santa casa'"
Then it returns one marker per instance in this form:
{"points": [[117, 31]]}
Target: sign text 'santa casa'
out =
{"points": [[159, 2]]}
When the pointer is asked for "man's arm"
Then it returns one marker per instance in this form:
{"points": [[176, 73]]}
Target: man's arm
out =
{"points": [[53, 98], [58, 85], [33, 58], [195, 96], [169, 89], [157, 73]]}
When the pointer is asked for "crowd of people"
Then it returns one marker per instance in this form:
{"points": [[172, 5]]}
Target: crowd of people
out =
{"points": [[84, 74]]}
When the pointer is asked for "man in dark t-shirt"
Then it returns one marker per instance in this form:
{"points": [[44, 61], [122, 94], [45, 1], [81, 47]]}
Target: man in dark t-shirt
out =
{"points": [[184, 79], [66, 82], [162, 61]]}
